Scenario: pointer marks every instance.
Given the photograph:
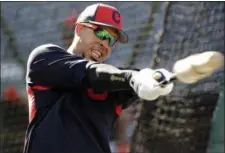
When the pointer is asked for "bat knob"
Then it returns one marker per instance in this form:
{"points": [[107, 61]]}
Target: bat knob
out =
{"points": [[158, 76], [164, 77]]}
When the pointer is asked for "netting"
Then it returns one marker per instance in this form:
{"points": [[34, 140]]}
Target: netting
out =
{"points": [[15, 120], [13, 112], [180, 122]]}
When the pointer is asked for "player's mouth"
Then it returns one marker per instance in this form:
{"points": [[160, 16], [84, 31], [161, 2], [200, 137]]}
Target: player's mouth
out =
{"points": [[96, 55]]}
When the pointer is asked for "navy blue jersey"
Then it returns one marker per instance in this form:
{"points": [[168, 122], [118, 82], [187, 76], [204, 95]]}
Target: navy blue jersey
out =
{"points": [[66, 116]]}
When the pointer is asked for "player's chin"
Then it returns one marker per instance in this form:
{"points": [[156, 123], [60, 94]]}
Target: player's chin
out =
{"points": [[100, 60], [94, 59], [89, 57]]}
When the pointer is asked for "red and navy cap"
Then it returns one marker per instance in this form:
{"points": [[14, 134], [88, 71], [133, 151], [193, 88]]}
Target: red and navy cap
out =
{"points": [[104, 15]]}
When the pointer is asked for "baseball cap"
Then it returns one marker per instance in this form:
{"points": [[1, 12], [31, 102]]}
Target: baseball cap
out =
{"points": [[104, 15]]}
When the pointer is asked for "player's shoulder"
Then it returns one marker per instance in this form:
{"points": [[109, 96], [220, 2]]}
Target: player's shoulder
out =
{"points": [[43, 50], [47, 48]]}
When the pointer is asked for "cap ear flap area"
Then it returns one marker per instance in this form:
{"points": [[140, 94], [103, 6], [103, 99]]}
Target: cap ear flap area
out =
{"points": [[78, 29]]}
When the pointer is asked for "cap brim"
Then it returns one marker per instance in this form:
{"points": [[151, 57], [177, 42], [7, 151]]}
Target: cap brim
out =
{"points": [[123, 37]]}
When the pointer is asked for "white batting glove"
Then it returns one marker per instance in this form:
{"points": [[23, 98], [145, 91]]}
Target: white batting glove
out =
{"points": [[147, 87]]}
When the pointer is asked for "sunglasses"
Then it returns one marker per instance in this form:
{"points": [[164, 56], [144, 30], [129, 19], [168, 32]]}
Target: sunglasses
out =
{"points": [[103, 34]]}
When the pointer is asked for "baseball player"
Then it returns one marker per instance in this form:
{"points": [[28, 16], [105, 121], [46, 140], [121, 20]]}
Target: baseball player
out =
{"points": [[75, 99]]}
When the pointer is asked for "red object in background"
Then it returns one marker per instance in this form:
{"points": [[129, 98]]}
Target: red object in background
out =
{"points": [[10, 93], [68, 27], [71, 19], [123, 148]]}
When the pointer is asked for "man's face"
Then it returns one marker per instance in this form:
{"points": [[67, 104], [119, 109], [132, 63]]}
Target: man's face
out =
{"points": [[91, 46]]}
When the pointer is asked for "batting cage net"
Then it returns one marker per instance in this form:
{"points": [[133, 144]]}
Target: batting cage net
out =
{"points": [[180, 122], [160, 33]]}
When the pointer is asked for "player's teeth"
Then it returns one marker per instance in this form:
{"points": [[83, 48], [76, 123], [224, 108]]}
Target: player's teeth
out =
{"points": [[97, 53]]}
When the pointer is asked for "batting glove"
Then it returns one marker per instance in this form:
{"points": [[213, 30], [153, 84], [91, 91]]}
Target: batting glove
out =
{"points": [[147, 87]]}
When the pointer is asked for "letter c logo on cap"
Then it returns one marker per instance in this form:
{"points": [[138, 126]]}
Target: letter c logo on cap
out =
{"points": [[116, 16]]}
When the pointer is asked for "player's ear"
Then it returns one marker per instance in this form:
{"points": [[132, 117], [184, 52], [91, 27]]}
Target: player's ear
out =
{"points": [[78, 29]]}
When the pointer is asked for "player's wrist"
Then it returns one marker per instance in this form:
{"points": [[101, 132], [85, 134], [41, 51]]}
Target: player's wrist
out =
{"points": [[137, 78], [130, 78]]}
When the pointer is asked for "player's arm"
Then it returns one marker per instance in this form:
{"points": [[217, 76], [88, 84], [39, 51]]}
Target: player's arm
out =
{"points": [[50, 66], [106, 77], [55, 68]]}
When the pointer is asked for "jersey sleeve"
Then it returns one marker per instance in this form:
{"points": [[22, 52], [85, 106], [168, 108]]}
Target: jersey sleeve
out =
{"points": [[125, 98], [51, 66]]}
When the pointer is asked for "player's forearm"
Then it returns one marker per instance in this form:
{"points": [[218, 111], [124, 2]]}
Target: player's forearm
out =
{"points": [[107, 77]]}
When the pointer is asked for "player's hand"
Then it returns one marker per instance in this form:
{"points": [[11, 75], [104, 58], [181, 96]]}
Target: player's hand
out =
{"points": [[147, 87]]}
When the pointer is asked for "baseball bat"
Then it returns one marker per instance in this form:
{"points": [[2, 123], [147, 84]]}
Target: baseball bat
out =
{"points": [[194, 68]]}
